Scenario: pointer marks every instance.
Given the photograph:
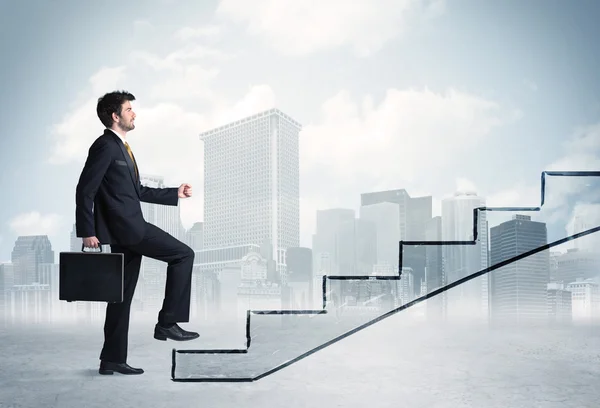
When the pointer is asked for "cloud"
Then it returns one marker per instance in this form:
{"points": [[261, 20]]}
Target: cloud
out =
{"points": [[185, 74], [581, 152], [35, 223], [107, 78], [356, 144], [465, 185], [79, 127], [352, 146], [177, 75], [521, 194], [298, 28], [584, 216], [393, 142], [585, 142], [191, 83], [360, 145], [204, 32], [257, 98], [166, 139], [72, 137], [142, 25], [177, 60]]}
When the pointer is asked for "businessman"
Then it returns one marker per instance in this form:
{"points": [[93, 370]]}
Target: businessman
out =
{"points": [[108, 211]]}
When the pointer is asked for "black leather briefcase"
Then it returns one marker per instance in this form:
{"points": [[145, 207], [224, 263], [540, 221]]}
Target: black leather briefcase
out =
{"points": [[92, 276]]}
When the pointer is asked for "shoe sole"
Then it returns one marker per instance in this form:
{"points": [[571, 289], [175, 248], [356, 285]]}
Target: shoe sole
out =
{"points": [[111, 372], [163, 337]]}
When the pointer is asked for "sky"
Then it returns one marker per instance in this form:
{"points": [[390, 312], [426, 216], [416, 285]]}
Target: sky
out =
{"points": [[427, 95]]}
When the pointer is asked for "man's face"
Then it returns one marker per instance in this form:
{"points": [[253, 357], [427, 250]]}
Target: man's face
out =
{"points": [[126, 120]]}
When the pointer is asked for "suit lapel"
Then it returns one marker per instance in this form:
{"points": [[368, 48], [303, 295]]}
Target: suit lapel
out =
{"points": [[130, 164]]}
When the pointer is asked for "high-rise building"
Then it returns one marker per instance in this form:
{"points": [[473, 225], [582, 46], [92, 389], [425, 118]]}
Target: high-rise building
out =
{"points": [[414, 215], [28, 299], [559, 303], [386, 217], [585, 300], [75, 241], [251, 183], [415, 212], [434, 271], [7, 280], [470, 299], [519, 289], [324, 243], [577, 264], [420, 211], [28, 253], [357, 247], [583, 219], [300, 282], [300, 264], [553, 266], [195, 236]]}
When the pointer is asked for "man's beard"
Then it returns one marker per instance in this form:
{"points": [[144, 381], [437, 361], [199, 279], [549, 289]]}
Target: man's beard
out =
{"points": [[126, 128]]}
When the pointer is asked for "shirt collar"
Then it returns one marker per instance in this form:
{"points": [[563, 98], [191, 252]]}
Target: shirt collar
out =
{"points": [[120, 137]]}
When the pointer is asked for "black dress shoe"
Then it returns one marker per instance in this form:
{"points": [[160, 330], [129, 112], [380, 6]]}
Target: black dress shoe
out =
{"points": [[174, 333], [108, 368]]}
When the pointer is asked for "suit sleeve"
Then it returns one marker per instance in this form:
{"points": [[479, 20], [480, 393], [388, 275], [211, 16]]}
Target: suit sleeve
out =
{"points": [[164, 196], [98, 161]]}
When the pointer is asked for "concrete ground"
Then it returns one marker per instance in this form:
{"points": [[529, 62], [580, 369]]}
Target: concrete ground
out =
{"points": [[393, 363]]}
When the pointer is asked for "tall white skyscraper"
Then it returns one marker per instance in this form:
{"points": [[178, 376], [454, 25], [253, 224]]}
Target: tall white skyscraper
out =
{"points": [[251, 183], [468, 300]]}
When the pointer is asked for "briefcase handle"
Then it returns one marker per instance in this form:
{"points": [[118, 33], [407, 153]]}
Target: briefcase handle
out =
{"points": [[83, 247]]}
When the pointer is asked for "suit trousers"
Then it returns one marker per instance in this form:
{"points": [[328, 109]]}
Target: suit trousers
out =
{"points": [[159, 245]]}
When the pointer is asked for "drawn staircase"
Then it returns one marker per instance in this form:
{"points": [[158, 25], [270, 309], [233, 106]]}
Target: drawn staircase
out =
{"points": [[275, 339]]}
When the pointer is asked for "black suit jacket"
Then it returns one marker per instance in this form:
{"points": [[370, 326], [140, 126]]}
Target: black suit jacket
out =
{"points": [[108, 194]]}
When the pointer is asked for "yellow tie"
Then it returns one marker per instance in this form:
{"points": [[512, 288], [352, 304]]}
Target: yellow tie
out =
{"points": [[132, 159]]}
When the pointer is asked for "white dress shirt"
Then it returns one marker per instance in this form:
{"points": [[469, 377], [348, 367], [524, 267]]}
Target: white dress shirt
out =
{"points": [[120, 137]]}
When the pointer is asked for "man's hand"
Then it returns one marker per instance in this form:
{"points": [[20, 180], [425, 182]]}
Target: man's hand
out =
{"points": [[185, 191], [91, 242]]}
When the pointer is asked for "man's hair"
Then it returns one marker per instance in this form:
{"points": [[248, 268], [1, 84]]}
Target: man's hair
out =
{"points": [[112, 103]]}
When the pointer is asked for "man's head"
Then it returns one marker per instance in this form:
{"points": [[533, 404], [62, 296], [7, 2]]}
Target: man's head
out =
{"points": [[115, 112]]}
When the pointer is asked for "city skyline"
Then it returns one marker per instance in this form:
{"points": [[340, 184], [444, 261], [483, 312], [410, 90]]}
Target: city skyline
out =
{"points": [[564, 291], [379, 113], [455, 224], [575, 221], [576, 271]]}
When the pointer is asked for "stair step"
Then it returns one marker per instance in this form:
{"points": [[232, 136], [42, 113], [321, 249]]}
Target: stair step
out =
{"points": [[275, 339]]}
